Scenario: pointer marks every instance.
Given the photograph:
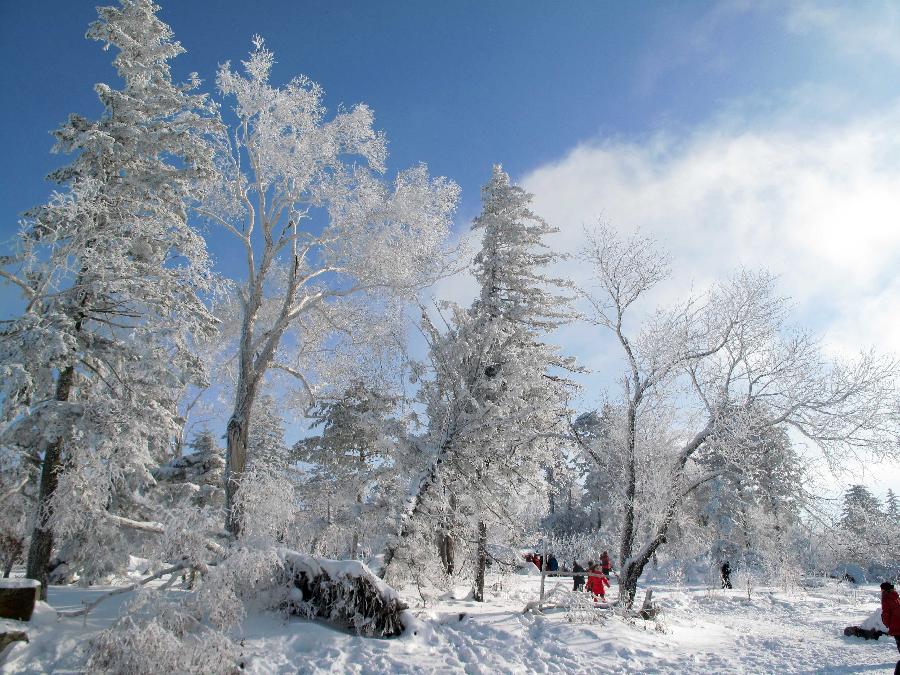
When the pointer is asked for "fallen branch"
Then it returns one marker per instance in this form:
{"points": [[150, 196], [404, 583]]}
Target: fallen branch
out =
{"points": [[9, 493], [142, 525], [68, 613], [344, 592], [156, 528]]}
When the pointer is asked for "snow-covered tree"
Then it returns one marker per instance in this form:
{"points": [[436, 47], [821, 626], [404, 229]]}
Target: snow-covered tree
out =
{"points": [[356, 466], [110, 273], [859, 507], [266, 444], [892, 507], [601, 467], [865, 533], [497, 401], [736, 371], [303, 197]]}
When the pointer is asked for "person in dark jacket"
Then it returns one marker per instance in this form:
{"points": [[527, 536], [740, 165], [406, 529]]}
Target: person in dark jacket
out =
{"points": [[552, 563], [578, 581], [726, 574]]}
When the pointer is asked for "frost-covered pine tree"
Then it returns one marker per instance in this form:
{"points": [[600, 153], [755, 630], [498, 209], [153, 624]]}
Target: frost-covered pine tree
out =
{"points": [[302, 196], [499, 391], [266, 444], [859, 508], [892, 507], [356, 463], [866, 534], [110, 272]]}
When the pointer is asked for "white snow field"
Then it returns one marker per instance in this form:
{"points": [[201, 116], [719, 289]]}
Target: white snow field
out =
{"points": [[699, 631]]}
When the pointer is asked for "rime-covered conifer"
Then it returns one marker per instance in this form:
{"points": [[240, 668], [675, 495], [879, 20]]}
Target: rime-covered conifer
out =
{"points": [[110, 272], [498, 391]]}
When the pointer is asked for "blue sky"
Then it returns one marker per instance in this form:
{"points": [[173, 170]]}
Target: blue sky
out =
{"points": [[459, 85], [739, 133]]}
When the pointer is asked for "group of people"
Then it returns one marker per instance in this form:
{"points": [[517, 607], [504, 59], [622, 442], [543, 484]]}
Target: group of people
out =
{"points": [[597, 573]]}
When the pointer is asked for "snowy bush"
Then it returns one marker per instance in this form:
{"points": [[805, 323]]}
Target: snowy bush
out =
{"points": [[160, 636], [581, 608], [266, 505], [247, 578], [186, 535]]}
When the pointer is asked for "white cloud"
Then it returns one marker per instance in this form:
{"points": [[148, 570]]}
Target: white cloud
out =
{"points": [[817, 205], [870, 30]]}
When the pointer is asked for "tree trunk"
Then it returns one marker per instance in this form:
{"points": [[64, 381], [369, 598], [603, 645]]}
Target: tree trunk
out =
{"points": [[42, 536], [627, 544], [446, 551], [236, 452], [406, 526], [235, 463], [481, 561], [446, 543]]}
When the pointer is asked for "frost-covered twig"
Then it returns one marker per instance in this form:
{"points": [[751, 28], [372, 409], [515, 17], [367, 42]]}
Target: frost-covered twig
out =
{"points": [[68, 613], [13, 490]]}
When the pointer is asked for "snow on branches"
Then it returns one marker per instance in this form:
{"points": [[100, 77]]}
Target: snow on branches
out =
{"points": [[304, 201], [733, 372], [111, 275]]}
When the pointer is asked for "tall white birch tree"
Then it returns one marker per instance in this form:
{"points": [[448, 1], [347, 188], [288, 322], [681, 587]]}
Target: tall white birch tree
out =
{"points": [[303, 197]]}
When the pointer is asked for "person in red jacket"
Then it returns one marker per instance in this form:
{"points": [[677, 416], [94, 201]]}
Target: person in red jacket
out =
{"points": [[605, 563], [597, 583], [890, 610], [890, 615]]}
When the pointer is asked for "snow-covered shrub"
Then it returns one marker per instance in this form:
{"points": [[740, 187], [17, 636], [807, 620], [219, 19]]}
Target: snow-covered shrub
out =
{"points": [[162, 636], [189, 633], [418, 565], [581, 608], [246, 578], [266, 504], [186, 535], [95, 554]]}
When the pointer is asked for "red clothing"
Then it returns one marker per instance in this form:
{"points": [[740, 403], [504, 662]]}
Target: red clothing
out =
{"points": [[890, 611], [605, 564], [596, 583]]}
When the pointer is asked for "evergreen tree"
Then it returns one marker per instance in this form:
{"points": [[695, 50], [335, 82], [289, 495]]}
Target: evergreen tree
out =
{"points": [[497, 397], [860, 508], [355, 462], [892, 506], [266, 442], [111, 273]]}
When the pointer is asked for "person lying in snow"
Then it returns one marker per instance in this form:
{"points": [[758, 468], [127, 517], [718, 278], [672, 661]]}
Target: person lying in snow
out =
{"points": [[597, 582]]}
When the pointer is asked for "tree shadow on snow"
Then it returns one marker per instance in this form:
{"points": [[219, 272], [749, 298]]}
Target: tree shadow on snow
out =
{"points": [[838, 670]]}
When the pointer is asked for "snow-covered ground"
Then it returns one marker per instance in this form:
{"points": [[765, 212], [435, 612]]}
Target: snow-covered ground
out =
{"points": [[699, 631]]}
